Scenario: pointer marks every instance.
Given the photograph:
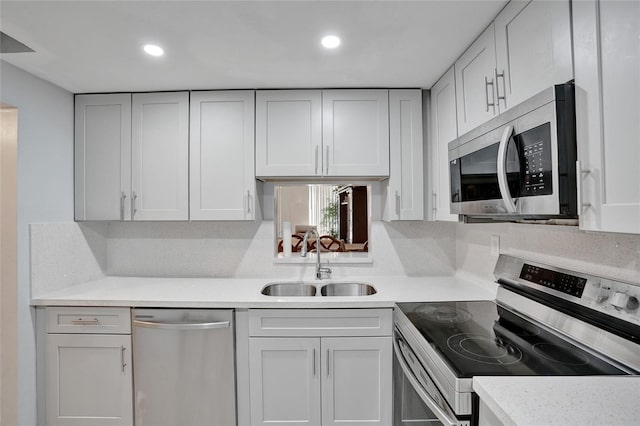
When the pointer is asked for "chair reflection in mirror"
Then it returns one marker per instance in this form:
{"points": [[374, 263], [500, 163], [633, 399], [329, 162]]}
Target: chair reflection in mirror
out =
{"points": [[329, 243]]}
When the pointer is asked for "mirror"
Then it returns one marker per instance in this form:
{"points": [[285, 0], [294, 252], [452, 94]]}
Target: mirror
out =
{"points": [[339, 213]]}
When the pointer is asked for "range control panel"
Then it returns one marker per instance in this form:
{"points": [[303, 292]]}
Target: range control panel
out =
{"points": [[616, 298], [568, 284]]}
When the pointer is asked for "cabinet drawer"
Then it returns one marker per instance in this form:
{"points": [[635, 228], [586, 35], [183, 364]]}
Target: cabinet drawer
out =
{"points": [[320, 322], [89, 320]]}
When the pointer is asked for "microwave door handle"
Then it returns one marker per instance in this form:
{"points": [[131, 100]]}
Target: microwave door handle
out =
{"points": [[502, 170], [424, 396]]}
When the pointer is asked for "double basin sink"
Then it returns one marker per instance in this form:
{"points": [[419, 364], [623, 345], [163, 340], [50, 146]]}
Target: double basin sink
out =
{"points": [[300, 289]]}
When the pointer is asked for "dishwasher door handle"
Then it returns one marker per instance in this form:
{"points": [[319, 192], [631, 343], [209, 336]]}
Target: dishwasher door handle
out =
{"points": [[182, 325]]}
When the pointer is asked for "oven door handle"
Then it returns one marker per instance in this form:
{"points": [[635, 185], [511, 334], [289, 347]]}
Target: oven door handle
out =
{"points": [[503, 183], [424, 396]]}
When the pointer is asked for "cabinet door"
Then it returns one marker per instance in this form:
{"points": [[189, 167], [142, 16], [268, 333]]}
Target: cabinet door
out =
{"points": [[285, 381], [405, 196], [288, 133], [607, 66], [222, 184], [89, 380], [355, 133], [533, 49], [357, 385], [475, 82], [443, 131], [160, 156], [102, 156]]}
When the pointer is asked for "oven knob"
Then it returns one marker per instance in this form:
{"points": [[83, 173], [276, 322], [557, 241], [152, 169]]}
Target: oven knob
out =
{"points": [[632, 303], [618, 300]]}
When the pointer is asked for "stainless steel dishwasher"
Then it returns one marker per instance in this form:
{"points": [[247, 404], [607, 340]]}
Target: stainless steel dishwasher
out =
{"points": [[184, 367]]}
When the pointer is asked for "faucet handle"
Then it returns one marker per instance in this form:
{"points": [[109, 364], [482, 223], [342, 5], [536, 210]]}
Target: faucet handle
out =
{"points": [[323, 273]]}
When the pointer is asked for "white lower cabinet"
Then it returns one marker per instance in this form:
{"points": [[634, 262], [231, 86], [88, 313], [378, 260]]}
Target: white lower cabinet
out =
{"points": [[356, 380], [320, 381], [320, 367], [88, 376], [285, 381]]}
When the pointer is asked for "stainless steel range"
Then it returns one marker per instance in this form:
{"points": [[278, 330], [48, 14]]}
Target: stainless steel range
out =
{"points": [[545, 321]]}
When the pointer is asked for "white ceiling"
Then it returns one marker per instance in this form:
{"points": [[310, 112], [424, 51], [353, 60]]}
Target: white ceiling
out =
{"points": [[95, 46]]}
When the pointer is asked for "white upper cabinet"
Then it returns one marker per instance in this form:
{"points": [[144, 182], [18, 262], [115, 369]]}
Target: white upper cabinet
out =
{"points": [[102, 156], [288, 133], [443, 130], [405, 193], [306, 133], [222, 177], [607, 66], [475, 80], [355, 132], [160, 156], [533, 49], [525, 50]]}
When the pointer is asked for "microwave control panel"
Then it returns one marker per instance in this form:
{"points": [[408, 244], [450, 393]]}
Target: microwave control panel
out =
{"points": [[535, 148]]}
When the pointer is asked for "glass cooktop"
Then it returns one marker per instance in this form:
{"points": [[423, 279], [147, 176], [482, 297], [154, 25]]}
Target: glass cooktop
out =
{"points": [[482, 338]]}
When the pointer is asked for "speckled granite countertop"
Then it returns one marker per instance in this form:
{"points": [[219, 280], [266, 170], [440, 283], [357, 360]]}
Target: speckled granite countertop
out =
{"points": [[537, 401]]}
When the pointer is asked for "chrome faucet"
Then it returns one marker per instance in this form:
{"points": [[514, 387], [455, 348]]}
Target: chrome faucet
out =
{"points": [[321, 272]]}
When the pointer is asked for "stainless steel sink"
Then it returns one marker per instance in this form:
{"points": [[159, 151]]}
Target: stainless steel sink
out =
{"points": [[289, 289], [347, 289]]}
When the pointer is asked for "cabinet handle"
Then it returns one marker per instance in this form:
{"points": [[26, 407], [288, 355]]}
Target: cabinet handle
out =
{"points": [[316, 172], [80, 321], [327, 149], [504, 88], [122, 198], [313, 363], [434, 197], [488, 83], [124, 364], [579, 173], [134, 196], [328, 362], [397, 204], [249, 202], [181, 326]]}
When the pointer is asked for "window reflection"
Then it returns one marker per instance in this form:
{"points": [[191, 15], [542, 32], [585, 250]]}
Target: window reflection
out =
{"points": [[340, 214]]}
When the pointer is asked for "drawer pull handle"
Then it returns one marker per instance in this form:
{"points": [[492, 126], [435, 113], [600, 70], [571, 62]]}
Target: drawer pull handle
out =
{"points": [[80, 321]]}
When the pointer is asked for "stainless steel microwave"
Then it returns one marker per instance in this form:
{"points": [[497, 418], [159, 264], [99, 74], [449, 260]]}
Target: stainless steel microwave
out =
{"points": [[521, 164]]}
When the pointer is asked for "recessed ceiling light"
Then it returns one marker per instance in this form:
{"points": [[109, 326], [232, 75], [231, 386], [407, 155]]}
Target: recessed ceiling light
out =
{"points": [[153, 50], [331, 41]]}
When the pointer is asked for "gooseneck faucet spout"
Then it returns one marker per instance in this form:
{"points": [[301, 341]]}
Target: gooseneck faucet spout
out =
{"points": [[321, 272]]}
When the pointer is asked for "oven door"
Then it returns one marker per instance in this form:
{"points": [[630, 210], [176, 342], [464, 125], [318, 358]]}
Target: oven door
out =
{"points": [[416, 400]]}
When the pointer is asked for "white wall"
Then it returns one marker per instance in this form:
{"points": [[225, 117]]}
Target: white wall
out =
{"points": [[8, 265], [45, 194]]}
